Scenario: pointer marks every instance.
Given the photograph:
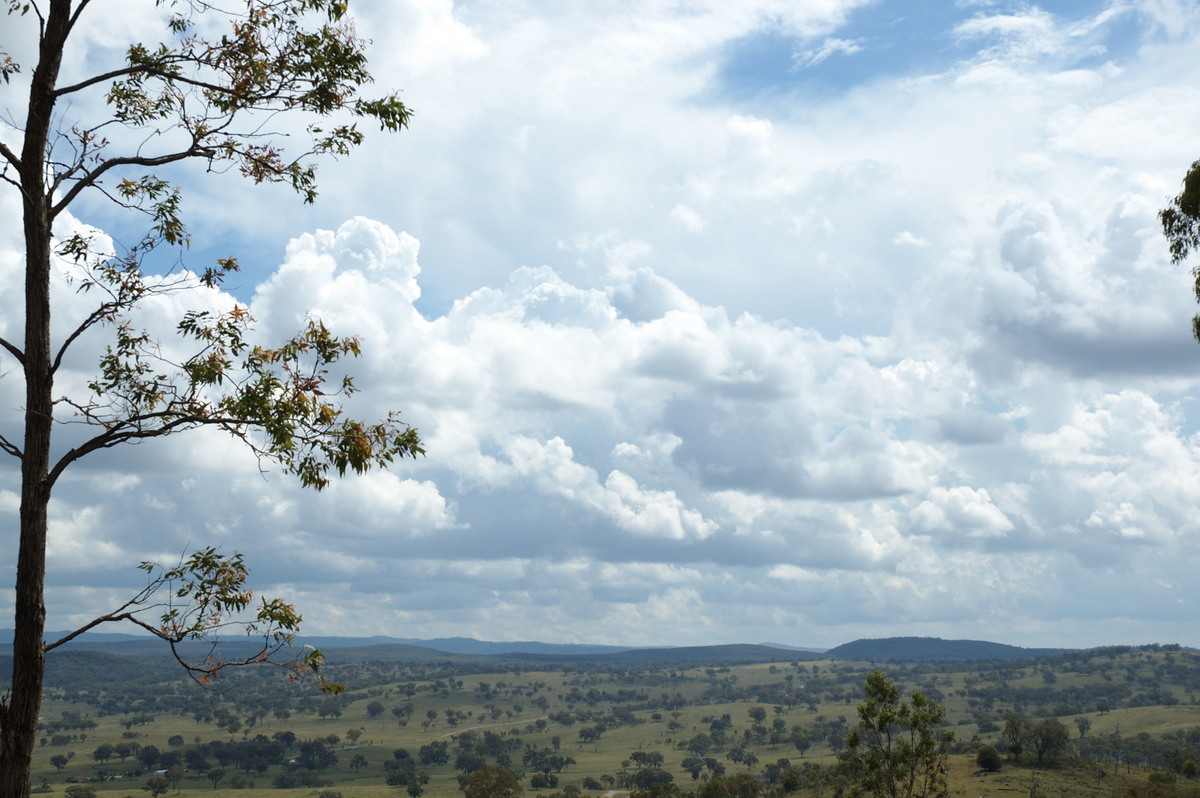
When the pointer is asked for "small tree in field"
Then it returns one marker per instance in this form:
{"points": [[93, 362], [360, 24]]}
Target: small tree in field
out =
{"points": [[988, 759], [491, 782], [897, 750], [208, 92], [156, 786]]}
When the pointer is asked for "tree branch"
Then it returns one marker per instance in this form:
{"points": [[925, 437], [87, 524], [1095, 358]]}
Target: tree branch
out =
{"points": [[91, 177], [142, 69], [8, 446], [109, 618], [79, 10], [95, 316], [129, 430], [12, 350], [10, 156]]}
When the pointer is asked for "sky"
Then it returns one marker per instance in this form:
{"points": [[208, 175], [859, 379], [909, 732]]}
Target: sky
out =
{"points": [[789, 322]]}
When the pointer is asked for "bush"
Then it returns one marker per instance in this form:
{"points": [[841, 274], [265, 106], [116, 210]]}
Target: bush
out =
{"points": [[989, 759]]}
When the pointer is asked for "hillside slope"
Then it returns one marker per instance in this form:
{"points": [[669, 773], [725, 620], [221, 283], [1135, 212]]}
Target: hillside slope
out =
{"points": [[934, 649]]}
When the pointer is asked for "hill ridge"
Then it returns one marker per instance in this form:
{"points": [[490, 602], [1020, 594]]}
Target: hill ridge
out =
{"points": [[936, 649]]}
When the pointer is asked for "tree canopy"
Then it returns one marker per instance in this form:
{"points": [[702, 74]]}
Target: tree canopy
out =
{"points": [[491, 782]]}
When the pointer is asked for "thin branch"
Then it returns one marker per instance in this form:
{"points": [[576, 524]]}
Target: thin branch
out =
{"points": [[95, 316], [79, 10], [12, 350], [153, 70], [119, 614], [37, 11], [132, 429], [10, 156], [107, 76], [92, 176], [15, 184], [201, 674], [109, 618], [8, 446], [127, 431]]}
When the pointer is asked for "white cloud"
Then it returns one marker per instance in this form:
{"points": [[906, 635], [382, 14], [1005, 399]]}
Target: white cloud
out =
{"points": [[829, 47], [961, 511], [907, 239], [904, 355], [689, 218]]}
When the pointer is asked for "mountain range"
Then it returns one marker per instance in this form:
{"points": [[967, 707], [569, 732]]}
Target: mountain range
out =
{"points": [[906, 649]]}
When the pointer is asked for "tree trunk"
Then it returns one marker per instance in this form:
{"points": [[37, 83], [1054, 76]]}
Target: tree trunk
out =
{"points": [[19, 716]]}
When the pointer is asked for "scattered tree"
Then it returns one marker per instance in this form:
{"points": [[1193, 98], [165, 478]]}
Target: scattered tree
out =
{"points": [[1048, 737], [491, 782], [148, 755], [103, 753], [1016, 734], [543, 781], [158, 785]]}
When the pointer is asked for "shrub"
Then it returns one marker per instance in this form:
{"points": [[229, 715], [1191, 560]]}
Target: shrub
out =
{"points": [[989, 759]]}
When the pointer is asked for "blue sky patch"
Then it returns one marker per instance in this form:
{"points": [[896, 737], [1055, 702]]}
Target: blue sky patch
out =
{"points": [[894, 40]]}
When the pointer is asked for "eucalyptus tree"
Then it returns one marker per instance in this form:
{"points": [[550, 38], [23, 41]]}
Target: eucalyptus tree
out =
{"points": [[898, 749], [210, 91], [1181, 226]]}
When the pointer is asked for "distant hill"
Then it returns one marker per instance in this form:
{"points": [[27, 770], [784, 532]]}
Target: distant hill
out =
{"points": [[139, 645], [466, 645], [145, 659], [462, 649], [934, 649], [684, 656], [787, 647]]}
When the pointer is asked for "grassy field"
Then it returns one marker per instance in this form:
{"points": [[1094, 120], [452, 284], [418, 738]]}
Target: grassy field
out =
{"points": [[647, 711]]}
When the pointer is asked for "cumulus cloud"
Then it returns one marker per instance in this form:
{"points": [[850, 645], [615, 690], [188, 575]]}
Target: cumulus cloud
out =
{"points": [[772, 366]]}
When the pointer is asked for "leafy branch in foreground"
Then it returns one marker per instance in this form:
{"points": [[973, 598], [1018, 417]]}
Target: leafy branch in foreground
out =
{"points": [[1181, 225], [201, 597]]}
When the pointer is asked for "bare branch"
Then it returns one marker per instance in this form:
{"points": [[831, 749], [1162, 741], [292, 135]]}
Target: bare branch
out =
{"points": [[109, 618], [99, 314], [13, 350], [83, 4], [10, 156], [129, 431], [8, 446]]}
